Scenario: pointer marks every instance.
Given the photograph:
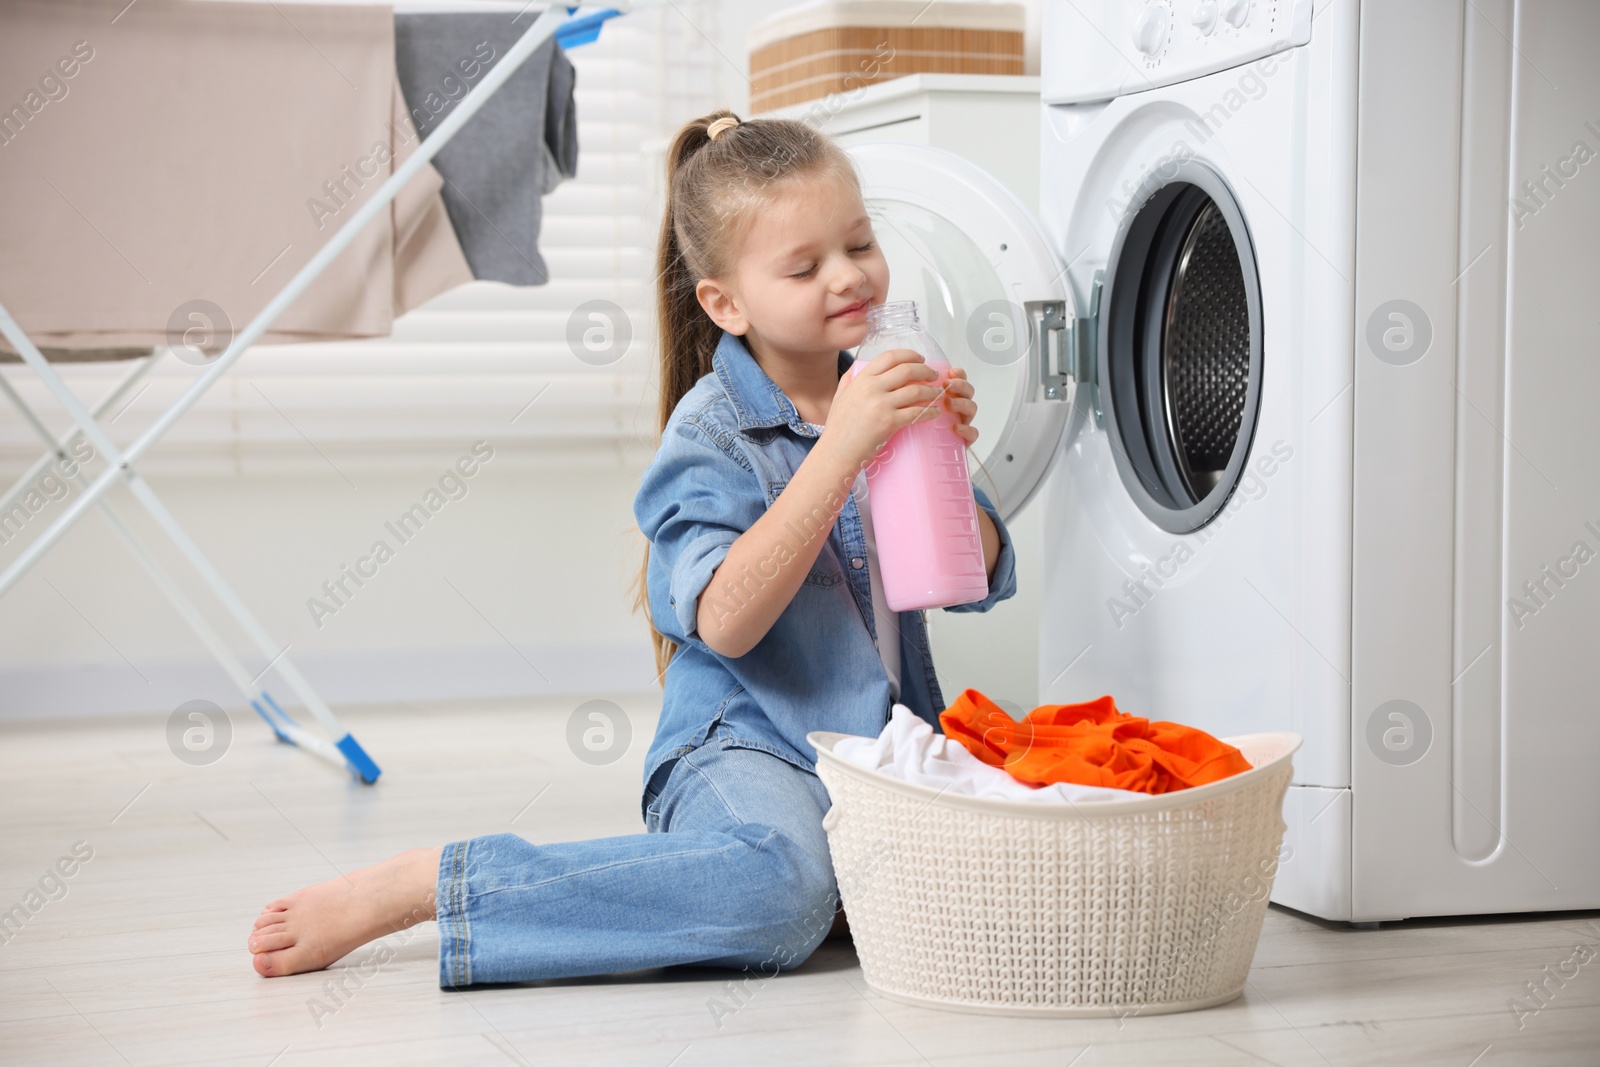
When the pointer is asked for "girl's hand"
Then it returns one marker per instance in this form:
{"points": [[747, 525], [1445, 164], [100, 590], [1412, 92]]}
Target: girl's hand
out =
{"points": [[894, 390], [958, 401]]}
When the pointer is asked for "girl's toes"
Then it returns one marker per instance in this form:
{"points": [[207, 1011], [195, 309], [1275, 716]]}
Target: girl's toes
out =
{"points": [[265, 964], [269, 916], [271, 940]]}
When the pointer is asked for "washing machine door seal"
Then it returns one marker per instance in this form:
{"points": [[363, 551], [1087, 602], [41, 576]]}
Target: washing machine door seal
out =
{"points": [[1180, 347], [994, 294]]}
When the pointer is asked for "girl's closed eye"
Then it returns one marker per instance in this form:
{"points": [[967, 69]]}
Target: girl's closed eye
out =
{"points": [[809, 271]]}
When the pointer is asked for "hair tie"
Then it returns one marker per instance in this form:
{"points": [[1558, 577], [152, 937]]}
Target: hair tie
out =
{"points": [[721, 126]]}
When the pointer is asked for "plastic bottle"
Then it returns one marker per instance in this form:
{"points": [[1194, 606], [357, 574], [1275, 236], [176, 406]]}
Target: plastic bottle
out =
{"points": [[930, 552]]}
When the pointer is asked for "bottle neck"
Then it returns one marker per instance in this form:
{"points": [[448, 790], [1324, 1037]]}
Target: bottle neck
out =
{"points": [[893, 317]]}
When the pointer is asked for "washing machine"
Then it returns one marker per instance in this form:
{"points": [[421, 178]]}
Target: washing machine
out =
{"points": [[1298, 359]]}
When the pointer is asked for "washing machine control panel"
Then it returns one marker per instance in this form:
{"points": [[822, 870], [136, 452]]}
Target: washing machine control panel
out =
{"points": [[1115, 49]]}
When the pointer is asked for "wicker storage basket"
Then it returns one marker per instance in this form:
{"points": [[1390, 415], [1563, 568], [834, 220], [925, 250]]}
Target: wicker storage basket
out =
{"points": [[806, 52], [1145, 905]]}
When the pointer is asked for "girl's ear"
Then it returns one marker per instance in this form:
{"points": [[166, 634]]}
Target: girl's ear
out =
{"points": [[717, 300]]}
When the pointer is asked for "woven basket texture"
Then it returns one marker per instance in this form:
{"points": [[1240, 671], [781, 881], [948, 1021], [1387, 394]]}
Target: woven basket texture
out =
{"points": [[1058, 909]]}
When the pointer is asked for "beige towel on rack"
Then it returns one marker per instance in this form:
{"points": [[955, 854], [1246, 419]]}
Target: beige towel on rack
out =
{"points": [[172, 151]]}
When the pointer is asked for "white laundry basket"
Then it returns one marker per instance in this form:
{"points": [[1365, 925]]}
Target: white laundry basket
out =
{"points": [[1143, 905]]}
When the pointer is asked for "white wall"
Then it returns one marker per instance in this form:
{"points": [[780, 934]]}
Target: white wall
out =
{"points": [[519, 586]]}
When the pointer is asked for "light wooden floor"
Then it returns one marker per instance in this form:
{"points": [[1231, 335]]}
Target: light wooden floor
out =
{"points": [[143, 961]]}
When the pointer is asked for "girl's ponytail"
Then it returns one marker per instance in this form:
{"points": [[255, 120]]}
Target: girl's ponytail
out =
{"points": [[686, 336]]}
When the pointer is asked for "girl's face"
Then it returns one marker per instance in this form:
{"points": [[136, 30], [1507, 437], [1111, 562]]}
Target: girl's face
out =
{"points": [[806, 273]]}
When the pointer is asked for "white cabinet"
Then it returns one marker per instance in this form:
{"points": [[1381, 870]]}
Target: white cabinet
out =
{"points": [[991, 119]]}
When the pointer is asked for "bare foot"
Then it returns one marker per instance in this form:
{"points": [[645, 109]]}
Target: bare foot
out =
{"points": [[313, 927]]}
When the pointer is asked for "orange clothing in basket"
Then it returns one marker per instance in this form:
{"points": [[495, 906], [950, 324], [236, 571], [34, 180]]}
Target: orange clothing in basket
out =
{"points": [[1089, 744]]}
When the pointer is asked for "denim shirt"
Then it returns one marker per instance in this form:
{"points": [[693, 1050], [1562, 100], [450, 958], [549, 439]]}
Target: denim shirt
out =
{"points": [[727, 451]]}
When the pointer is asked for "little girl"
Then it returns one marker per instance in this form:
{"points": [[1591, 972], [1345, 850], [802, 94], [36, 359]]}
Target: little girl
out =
{"points": [[761, 583]]}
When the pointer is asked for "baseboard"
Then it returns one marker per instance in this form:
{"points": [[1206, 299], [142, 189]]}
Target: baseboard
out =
{"points": [[386, 676]]}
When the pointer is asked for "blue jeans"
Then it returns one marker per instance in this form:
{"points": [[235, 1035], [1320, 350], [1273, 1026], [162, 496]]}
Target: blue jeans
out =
{"points": [[733, 871]]}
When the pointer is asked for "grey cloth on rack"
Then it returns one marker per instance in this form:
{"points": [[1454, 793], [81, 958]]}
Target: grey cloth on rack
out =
{"points": [[519, 145]]}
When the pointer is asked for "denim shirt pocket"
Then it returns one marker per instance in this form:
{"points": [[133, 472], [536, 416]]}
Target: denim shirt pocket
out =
{"points": [[826, 572]]}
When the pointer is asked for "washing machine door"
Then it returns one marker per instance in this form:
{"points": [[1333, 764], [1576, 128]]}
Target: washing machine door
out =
{"points": [[993, 293]]}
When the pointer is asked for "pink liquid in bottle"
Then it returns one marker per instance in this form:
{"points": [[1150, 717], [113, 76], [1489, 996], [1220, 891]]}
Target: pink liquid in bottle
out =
{"points": [[924, 516]]}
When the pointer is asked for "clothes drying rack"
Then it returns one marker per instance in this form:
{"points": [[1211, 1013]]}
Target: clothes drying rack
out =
{"points": [[570, 30]]}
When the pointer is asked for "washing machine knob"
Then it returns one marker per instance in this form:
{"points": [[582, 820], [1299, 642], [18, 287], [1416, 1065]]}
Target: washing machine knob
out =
{"points": [[1150, 30], [1205, 17], [1236, 11]]}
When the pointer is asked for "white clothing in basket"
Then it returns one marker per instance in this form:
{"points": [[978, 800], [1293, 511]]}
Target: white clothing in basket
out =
{"points": [[908, 749]]}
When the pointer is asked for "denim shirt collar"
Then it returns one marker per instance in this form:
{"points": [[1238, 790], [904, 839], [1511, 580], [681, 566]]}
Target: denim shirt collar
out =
{"points": [[757, 399]]}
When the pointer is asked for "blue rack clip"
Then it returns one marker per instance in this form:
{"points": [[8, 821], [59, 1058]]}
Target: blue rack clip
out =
{"points": [[573, 32], [359, 761]]}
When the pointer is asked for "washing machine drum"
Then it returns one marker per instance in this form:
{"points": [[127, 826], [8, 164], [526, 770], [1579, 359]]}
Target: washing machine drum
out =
{"points": [[1181, 348]]}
